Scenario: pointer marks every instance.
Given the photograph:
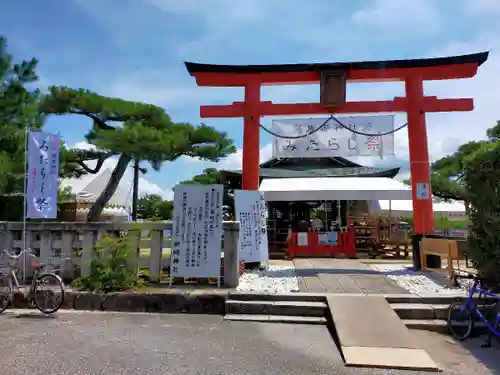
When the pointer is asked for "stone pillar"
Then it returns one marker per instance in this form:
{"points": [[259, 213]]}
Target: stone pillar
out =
{"points": [[231, 254]]}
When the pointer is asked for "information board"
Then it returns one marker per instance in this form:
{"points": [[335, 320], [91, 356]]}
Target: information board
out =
{"points": [[251, 212], [197, 231]]}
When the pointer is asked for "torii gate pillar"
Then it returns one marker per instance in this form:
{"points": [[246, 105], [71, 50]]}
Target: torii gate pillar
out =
{"points": [[333, 78]]}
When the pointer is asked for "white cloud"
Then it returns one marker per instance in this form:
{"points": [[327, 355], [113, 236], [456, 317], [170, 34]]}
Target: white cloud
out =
{"points": [[224, 20], [488, 7], [405, 17], [126, 183]]}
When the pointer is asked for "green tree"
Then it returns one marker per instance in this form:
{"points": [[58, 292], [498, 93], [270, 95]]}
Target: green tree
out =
{"points": [[18, 107], [448, 172], [153, 207], [132, 130], [481, 182], [19, 111]]}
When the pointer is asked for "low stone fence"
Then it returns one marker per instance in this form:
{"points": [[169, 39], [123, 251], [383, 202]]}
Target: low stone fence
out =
{"points": [[169, 301], [69, 246]]}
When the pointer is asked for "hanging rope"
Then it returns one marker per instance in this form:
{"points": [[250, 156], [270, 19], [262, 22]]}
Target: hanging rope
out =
{"points": [[332, 117]]}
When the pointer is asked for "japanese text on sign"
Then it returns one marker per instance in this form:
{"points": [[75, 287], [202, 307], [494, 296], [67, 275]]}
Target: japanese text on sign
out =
{"points": [[197, 231], [252, 214], [333, 139]]}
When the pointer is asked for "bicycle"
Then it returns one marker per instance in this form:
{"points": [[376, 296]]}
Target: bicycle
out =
{"points": [[40, 279], [469, 308]]}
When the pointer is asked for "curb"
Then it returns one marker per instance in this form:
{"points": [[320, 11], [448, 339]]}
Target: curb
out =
{"points": [[202, 301], [174, 301]]}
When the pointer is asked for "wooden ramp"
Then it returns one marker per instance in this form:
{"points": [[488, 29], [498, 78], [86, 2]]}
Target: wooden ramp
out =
{"points": [[370, 334]]}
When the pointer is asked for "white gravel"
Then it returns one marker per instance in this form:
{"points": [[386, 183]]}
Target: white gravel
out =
{"points": [[276, 279], [415, 282]]}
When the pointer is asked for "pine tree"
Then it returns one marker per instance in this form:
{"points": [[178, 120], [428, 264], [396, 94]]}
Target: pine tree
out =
{"points": [[131, 130]]}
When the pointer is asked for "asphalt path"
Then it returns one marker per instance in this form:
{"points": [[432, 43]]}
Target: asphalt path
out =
{"points": [[98, 343]]}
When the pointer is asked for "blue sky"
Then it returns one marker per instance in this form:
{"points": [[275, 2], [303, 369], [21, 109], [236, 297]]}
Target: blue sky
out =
{"points": [[135, 49]]}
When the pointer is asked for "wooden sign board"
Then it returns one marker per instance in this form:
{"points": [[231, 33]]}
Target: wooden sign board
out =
{"points": [[333, 89]]}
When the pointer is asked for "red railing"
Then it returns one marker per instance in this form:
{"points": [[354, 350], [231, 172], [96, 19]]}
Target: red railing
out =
{"points": [[345, 245]]}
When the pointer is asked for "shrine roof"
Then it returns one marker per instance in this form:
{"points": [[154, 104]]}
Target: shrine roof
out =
{"points": [[322, 172], [478, 58], [308, 163]]}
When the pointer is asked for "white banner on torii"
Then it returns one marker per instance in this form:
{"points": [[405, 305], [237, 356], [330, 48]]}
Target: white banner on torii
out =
{"points": [[334, 140]]}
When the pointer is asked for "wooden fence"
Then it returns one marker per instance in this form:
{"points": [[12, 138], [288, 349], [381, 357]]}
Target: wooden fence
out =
{"points": [[69, 246]]}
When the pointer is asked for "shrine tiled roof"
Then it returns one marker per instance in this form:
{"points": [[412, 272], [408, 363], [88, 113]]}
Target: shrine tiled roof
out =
{"points": [[322, 172]]}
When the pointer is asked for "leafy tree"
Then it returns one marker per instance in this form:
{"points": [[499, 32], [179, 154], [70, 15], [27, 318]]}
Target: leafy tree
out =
{"points": [[153, 207], [448, 172], [132, 130], [19, 111], [481, 184], [212, 176], [18, 107]]}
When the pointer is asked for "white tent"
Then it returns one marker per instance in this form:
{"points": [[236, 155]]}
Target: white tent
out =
{"points": [[90, 186], [452, 209], [334, 188]]}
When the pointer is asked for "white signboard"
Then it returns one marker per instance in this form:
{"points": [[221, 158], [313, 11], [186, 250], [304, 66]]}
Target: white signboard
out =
{"points": [[251, 212], [264, 245], [197, 231], [422, 190], [333, 140]]}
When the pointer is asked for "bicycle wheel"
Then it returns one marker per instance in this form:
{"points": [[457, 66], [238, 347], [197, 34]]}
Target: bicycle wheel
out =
{"points": [[460, 323], [5, 293], [49, 293]]}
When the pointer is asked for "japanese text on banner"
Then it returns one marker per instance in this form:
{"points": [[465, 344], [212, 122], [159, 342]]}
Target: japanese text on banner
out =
{"points": [[42, 176]]}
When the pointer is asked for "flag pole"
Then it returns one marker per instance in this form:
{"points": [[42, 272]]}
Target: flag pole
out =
{"points": [[26, 133]]}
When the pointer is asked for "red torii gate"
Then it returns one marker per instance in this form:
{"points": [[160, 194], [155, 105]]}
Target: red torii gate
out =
{"points": [[333, 78]]}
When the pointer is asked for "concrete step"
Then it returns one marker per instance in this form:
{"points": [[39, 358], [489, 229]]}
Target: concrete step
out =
{"points": [[409, 298], [420, 310], [275, 319], [441, 326], [290, 308], [426, 311], [434, 325], [258, 296]]}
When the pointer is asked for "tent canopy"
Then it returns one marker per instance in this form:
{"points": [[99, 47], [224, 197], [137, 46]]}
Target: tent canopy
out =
{"points": [[405, 208], [90, 186], [334, 188]]}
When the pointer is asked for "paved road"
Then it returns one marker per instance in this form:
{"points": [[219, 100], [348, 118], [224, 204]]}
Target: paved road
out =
{"points": [[342, 276], [83, 343]]}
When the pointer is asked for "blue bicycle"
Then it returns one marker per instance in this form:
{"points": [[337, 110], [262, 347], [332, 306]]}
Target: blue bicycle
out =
{"points": [[468, 312]]}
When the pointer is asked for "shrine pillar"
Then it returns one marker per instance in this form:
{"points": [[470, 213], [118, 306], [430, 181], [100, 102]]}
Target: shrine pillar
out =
{"points": [[251, 137], [419, 157]]}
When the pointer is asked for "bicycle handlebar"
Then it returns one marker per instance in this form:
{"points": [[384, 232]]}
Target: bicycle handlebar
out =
{"points": [[15, 257]]}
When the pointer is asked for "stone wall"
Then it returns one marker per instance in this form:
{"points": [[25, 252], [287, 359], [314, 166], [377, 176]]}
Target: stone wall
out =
{"points": [[69, 246]]}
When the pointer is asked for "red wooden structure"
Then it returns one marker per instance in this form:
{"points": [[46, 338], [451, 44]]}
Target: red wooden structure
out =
{"points": [[345, 245], [412, 72]]}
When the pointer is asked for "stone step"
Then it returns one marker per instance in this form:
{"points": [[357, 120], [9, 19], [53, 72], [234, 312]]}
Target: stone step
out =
{"points": [[275, 319], [409, 298], [290, 308], [420, 311], [440, 326], [425, 311], [258, 296]]}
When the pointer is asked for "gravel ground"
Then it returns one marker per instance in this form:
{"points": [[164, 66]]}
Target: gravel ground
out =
{"points": [[276, 279], [415, 282]]}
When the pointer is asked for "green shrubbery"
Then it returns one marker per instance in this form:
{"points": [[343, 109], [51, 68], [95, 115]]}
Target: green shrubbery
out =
{"points": [[482, 184], [110, 270]]}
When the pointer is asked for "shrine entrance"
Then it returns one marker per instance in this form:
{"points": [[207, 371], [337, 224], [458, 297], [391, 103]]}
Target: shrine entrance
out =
{"points": [[333, 79]]}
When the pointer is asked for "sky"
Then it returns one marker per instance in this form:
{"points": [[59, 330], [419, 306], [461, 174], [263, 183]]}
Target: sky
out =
{"points": [[134, 49]]}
